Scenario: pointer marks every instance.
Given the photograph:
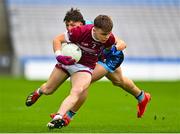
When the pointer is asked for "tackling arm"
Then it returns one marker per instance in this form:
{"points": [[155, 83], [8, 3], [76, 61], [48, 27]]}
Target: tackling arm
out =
{"points": [[120, 44], [57, 43]]}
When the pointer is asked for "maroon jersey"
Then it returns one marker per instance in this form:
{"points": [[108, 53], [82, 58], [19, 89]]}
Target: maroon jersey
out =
{"points": [[82, 36]]}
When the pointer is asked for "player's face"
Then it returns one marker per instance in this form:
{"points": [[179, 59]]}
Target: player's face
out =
{"points": [[101, 35], [72, 24]]}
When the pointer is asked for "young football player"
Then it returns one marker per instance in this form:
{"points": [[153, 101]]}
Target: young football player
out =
{"points": [[110, 68], [91, 39]]}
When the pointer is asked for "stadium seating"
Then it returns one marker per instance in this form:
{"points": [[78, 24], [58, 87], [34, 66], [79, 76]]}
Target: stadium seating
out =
{"points": [[151, 29]]}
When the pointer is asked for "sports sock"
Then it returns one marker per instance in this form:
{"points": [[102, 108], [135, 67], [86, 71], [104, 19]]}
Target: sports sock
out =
{"points": [[39, 91], [70, 114], [140, 97]]}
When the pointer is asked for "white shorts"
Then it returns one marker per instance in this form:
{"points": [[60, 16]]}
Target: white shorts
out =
{"points": [[70, 69]]}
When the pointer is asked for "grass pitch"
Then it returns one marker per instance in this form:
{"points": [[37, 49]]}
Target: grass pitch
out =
{"points": [[107, 109]]}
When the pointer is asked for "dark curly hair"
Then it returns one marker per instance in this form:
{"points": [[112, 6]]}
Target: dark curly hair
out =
{"points": [[74, 15]]}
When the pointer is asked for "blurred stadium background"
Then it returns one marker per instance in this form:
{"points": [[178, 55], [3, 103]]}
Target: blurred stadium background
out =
{"points": [[151, 29]]}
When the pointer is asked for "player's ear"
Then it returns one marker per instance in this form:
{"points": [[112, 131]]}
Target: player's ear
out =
{"points": [[94, 29]]}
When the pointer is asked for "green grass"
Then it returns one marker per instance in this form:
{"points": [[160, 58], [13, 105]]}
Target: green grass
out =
{"points": [[107, 109]]}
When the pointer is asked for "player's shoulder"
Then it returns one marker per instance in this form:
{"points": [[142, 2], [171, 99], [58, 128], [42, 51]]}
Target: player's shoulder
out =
{"points": [[87, 26], [86, 29], [83, 28]]}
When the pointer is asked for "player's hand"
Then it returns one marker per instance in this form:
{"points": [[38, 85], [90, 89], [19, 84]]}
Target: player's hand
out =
{"points": [[66, 60]]}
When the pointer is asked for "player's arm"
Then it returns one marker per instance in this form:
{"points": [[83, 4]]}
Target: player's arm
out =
{"points": [[120, 44], [57, 43]]}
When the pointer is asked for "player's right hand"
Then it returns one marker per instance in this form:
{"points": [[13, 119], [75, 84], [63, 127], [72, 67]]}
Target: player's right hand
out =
{"points": [[66, 60]]}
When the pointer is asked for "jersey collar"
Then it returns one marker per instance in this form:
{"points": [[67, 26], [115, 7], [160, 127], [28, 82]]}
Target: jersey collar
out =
{"points": [[93, 35]]}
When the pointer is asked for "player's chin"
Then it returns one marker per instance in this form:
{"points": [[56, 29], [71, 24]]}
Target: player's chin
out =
{"points": [[103, 41]]}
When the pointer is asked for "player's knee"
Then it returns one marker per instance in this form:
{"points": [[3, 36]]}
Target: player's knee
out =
{"points": [[77, 91]]}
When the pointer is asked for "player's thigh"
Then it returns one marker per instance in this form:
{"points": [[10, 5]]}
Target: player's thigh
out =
{"points": [[98, 72], [80, 81], [116, 76], [57, 77]]}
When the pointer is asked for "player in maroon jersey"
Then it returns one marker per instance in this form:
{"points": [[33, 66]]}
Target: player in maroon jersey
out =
{"points": [[91, 39], [113, 72], [74, 19]]}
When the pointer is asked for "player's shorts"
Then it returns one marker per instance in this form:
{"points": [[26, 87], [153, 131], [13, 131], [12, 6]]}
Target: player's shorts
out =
{"points": [[112, 62], [70, 69]]}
